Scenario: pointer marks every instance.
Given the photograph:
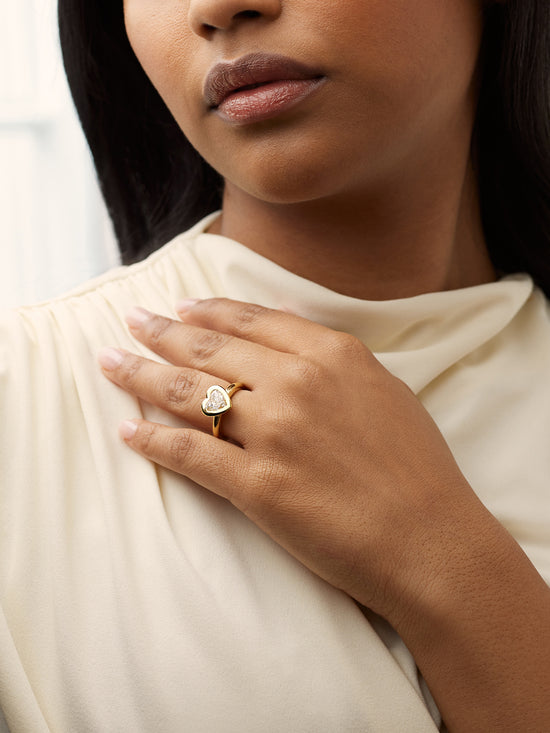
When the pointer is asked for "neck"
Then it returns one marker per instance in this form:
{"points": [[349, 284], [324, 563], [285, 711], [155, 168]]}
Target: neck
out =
{"points": [[403, 239]]}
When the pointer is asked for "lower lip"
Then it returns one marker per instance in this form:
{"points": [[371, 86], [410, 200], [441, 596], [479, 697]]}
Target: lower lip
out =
{"points": [[267, 101]]}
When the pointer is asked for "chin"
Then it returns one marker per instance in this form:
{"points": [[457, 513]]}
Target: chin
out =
{"points": [[285, 182]]}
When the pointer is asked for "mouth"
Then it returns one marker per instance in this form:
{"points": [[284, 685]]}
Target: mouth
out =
{"points": [[258, 86]]}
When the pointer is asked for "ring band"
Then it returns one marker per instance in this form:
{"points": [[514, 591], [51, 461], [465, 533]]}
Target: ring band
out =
{"points": [[217, 402]]}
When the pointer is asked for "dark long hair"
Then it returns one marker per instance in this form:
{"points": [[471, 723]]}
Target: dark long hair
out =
{"points": [[156, 185], [153, 181]]}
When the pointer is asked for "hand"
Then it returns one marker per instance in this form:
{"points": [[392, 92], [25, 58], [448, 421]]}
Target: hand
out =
{"points": [[339, 462], [327, 452]]}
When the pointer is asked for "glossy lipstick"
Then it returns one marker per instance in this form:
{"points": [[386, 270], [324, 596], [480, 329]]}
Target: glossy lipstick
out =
{"points": [[258, 87]]}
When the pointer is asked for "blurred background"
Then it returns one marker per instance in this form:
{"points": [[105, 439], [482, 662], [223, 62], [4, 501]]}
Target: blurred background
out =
{"points": [[54, 230]]}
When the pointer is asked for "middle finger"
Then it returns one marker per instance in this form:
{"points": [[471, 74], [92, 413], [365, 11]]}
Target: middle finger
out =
{"points": [[200, 348]]}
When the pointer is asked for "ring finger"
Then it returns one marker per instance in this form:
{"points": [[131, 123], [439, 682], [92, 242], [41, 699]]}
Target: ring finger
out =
{"points": [[178, 390]]}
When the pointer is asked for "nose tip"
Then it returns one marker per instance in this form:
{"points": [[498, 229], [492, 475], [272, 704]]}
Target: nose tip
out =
{"points": [[207, 16]]}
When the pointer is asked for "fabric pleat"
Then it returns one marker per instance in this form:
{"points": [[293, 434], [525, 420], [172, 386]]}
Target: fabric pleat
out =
{"points": [[132, 600]]}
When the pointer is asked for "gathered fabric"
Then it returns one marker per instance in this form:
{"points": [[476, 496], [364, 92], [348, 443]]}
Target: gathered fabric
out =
{"points": [[133, 600]]}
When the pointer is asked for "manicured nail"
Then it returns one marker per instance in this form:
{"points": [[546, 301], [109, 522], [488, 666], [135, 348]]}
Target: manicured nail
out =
{"points": [[110, 358], [127, 429], [182, 306], [136, 317]]}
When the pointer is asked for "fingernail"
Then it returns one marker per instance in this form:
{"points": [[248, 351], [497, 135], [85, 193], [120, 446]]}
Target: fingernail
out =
{"points": [[110, 358], [136, 317], [127, 429], [182, 306]]}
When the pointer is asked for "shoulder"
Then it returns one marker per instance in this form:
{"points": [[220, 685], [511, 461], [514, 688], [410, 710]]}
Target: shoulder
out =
{"points": [[175, 256], [170, 272], [77, 323]]}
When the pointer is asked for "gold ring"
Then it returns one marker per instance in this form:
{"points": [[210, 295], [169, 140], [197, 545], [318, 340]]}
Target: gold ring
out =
{"points": [[217, 402]]}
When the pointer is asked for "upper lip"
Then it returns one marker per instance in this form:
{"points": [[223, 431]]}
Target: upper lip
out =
{"points": [[256, 68]]}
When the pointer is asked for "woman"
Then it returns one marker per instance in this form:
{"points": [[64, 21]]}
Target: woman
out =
{"points": [[365, 514]]}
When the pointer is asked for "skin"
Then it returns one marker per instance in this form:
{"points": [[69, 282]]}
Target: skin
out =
{"points": [[377, 159], [405, 537]]}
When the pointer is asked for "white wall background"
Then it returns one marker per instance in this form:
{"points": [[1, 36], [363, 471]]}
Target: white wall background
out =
{"points": [[54, 231]]}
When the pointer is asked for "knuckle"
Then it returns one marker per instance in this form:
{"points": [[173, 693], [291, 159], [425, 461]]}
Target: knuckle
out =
{"points": [[282, 427], [305, 372], [157, 330], [345, 347], [130, 369], [177, 390], [207, 345], [179, 448], [247, 314], [145, 436]]}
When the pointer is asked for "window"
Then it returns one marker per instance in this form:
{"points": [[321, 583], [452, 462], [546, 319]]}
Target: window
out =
{"points": [[55, 232]]}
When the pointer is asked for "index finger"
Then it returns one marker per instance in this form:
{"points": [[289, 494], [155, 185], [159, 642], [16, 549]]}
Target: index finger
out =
{"points": [[276, 329]]}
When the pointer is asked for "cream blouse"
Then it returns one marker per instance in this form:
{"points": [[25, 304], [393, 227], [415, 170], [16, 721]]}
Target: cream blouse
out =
{"points": [[132, 600]]}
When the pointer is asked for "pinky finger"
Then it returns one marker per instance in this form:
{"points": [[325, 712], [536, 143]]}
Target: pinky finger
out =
{"points": [[217, 465]]}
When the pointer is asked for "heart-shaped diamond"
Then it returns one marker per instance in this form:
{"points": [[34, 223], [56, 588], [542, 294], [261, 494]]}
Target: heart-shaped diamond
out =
{"points": [[217, 401]]}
